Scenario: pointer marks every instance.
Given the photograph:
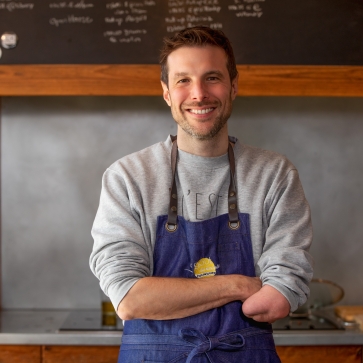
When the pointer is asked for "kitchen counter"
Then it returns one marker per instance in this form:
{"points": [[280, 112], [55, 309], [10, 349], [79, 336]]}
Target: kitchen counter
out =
{"points": [[42, 327]]}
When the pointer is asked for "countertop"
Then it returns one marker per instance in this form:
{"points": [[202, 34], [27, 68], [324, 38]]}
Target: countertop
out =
{"points": [[41, 327]]}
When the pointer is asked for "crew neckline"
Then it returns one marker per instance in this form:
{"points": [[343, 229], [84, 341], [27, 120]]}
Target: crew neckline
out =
{"points": [[206, 161], [203, 161]]}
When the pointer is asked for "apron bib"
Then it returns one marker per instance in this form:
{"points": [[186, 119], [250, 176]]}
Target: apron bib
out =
{"points": [[217, 246]]}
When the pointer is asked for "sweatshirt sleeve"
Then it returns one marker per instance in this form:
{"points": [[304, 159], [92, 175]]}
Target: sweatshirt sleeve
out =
{"points": [[285, 262], [119, 257]]}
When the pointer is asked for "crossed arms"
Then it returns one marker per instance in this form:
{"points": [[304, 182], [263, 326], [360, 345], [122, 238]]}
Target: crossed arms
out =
{"points": [[161, 298]]}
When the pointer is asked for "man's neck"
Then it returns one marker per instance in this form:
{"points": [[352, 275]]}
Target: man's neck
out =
{"points": [[208, 148]]}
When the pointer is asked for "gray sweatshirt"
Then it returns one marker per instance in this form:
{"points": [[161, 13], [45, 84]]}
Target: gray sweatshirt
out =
{"points": [[135, 191]]}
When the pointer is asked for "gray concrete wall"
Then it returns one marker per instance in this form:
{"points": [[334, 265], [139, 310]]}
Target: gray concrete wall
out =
{"points": [[54, 151]]}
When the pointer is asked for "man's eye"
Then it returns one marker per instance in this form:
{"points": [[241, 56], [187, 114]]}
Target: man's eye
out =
{"points": [[212, 78], [184, 80]]}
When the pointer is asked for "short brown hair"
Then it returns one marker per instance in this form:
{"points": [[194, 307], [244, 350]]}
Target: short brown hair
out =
{"points": [[198, 36]]}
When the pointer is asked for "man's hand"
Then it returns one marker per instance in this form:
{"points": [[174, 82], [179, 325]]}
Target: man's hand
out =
{"points": [[266, 305]]}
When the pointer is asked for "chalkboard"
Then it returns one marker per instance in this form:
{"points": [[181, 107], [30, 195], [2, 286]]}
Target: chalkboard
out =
{"points": [[275, 32]]}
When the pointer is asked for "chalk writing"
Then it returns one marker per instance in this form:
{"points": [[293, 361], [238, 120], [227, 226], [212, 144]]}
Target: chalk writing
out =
{"points": [[176, 3], [246, 8], [173, 19], [127, 14], [126, 32], [135, 19], [113, 20], [12, 6], [204, 9], [175, 28], [177, 10], [71, 19], [199, 19], [188, 13], [71, 5], [125, 35], [130, 40], [201, 2]]}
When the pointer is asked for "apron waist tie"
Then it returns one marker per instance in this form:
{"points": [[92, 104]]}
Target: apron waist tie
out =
{"points": [[205, 344]]}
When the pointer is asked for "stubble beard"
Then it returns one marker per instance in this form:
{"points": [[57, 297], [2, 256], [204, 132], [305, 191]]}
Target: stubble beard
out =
{"points": [[219, 122]]}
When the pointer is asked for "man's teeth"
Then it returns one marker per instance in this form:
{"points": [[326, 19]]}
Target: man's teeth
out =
{"points": [[200, 112]]}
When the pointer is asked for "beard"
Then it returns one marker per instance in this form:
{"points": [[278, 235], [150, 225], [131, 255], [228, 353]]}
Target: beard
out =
{"points": [[220, 120]]}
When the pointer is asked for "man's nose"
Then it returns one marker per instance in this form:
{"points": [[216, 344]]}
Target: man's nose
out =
{"points": [[199, 91]]}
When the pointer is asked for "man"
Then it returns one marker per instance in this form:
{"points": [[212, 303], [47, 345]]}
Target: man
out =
{"points": [[184, 226]]}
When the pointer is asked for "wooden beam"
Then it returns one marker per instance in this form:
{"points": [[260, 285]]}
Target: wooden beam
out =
{"points": [[79, 80], [143, 80], [342, 81]]}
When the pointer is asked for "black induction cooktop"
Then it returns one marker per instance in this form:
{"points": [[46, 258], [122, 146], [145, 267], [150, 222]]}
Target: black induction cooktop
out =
{"points": [[88, 320], [313, 321]]}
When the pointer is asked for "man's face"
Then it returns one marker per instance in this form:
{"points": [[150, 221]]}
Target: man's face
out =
{"points": [[200, 92]]}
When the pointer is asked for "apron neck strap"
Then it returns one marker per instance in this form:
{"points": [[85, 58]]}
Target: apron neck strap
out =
{"points": [[232, 191], [171, 224]]}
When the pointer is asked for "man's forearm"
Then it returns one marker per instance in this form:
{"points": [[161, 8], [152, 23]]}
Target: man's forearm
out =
{"points": [[266, 305], [162, 298]]}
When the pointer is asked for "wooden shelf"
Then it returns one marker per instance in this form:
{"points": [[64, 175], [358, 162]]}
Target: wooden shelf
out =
{"points": [[143, 80]]}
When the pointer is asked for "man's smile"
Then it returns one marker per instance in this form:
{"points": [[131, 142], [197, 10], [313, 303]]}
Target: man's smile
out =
{"points": [[201, 111]]}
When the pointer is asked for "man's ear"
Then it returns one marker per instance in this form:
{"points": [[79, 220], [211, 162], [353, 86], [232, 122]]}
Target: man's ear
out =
{"points": [[166, 93], [234, 91]]}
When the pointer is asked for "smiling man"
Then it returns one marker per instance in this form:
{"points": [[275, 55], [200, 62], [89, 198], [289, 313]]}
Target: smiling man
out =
{"points": [[201, 242]]}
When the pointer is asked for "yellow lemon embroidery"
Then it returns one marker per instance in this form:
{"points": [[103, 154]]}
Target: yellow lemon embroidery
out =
{"points": [[204, 268]]}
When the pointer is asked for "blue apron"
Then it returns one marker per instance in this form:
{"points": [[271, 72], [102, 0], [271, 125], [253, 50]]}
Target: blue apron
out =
{"points": [[217, 246]]}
